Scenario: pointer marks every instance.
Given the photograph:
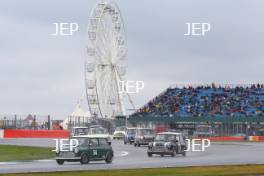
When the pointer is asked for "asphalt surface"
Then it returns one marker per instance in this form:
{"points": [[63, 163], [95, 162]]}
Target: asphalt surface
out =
{"points": [[128, 157]]}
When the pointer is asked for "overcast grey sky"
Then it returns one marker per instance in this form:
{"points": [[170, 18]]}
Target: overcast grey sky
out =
{"points": [[43, 74]]}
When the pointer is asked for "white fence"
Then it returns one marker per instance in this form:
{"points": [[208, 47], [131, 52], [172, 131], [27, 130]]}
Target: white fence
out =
{"points": [[1, 134]]}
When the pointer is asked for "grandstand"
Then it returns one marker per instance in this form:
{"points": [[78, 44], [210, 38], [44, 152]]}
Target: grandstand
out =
{"points": [[224, 109], [204, 101]]}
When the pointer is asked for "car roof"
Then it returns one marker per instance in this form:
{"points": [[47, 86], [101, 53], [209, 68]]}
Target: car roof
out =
{"points": [[144, 129], [96, 126], [92, 136], [171, 133], [79, 127], [121, 127]]}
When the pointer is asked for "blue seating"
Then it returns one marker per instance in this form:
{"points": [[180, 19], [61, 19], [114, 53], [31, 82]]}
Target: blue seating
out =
{"points": [[207, 101]]}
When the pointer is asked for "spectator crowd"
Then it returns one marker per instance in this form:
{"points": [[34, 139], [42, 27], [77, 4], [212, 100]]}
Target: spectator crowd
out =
{"points": [[205, 101]]}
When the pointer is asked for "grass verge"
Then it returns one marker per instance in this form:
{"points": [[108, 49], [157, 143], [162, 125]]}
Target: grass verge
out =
{"points": [[236, 170], [16, 153]]}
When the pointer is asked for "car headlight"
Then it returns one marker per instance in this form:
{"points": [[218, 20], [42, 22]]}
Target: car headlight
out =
{"points": [[168, 145], [109, 139], [75, 150], [150, 145]]}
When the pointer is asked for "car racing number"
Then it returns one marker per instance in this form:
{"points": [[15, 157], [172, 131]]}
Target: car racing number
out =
{"points": [[94, 152]]}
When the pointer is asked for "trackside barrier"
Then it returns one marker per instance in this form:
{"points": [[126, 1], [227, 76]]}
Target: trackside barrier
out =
{"points": [[36, 134], [253, 138], [1, 134], [256, 138], [235, 138], [261, 138], [225, 138]]}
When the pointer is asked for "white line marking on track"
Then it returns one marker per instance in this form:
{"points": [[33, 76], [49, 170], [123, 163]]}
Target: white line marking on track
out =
{"points": [[122, 154], [119, 154], [8, 163], [47, 160], [20, 162]]}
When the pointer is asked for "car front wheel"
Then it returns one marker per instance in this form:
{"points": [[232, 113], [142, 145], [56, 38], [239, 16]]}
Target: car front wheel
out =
{"points": [[84, 159], [109, 158], [149, 154], [173, 153], [60, 162]]}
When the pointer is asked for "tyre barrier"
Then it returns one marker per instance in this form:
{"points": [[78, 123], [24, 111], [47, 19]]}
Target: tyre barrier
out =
{"points": [[35, 134]]}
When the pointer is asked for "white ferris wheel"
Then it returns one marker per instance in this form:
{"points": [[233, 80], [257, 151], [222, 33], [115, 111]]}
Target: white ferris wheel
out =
{"points": [[105, 65]]}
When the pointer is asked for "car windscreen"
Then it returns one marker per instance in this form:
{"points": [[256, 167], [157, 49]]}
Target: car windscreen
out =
{"points": [[165, 137], [81, 141], [131, 131], [97, 131], [82, 131], [146, 132], [120, 128]]}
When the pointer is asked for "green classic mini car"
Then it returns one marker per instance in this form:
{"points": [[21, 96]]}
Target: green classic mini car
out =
{"points": [[90, 148], [167, 143]]}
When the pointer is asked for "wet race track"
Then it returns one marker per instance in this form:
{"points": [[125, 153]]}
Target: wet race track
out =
{"points": [[128, 156]]}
